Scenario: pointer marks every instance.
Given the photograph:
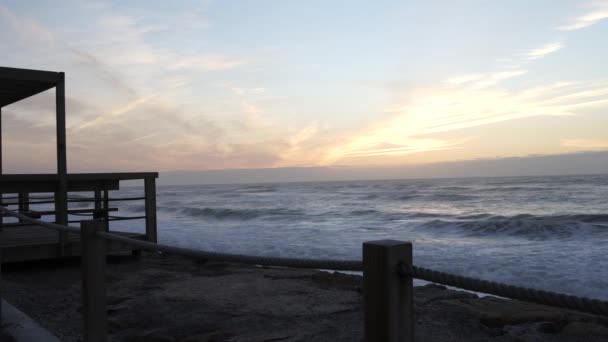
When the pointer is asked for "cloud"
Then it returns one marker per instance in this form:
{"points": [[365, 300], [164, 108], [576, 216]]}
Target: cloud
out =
{"points": [[414, 125], [484, 80], [543, 51], [413, 146], [586, 144], [480, 81], [594, 16], [207, 63]]}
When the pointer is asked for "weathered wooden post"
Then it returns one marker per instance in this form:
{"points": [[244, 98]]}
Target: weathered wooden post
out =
{"points": [[387, 296], [24, 203], [0, 291], [150, 203], [93, 281]]}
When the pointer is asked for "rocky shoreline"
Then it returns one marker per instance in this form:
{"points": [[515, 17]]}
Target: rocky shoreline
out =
{"points": [[167, 298]]}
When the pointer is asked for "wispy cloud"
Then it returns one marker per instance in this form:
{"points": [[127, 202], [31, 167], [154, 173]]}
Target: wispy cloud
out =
{"points": [[207, 63], [585, 144], [543, 51], [480, 81], [414, 125], [489, 79], [598, 13]]}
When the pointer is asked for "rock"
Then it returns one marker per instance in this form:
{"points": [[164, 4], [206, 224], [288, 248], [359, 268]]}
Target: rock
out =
{"points": [[585, 329], [548, 327], [151, 336], [208, 337]]}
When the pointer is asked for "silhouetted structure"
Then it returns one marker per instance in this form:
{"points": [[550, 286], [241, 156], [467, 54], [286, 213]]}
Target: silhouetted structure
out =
{"points": [[24, 241]]}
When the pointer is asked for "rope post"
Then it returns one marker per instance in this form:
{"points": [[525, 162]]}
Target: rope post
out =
{"points": [[150, 208], [387, 296], [93, 281]]}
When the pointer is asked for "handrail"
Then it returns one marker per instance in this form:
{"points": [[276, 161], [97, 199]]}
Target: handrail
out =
{"points": [[339, 265], [63, 228]]}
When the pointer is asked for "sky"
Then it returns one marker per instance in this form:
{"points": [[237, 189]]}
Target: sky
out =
{"points": [[210, 85]]}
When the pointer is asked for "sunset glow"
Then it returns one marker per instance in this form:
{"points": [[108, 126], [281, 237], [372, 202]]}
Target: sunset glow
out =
{"points": [[221, 85]]}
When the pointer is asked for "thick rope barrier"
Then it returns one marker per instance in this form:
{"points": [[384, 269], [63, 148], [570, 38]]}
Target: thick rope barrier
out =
{"points": [[583, 304], [326, 264]]}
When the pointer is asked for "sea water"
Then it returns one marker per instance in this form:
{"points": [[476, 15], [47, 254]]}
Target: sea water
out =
{"points": [[547, 232]]}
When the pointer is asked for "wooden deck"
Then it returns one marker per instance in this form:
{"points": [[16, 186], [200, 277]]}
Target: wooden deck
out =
{"points": [[31, 242]]}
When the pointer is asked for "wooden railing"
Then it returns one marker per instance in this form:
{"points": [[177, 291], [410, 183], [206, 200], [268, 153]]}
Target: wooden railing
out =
{"points": [[25, 191]]}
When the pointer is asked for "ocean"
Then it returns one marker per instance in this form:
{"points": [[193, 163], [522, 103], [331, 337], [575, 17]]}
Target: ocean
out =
{"points": [[546, 232]]}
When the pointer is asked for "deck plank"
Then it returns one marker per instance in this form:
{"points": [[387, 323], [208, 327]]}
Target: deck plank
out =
{"points": [[35, 243]]}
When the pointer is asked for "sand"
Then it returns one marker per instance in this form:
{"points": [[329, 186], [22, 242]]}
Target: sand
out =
{"points": [[166, 298]]}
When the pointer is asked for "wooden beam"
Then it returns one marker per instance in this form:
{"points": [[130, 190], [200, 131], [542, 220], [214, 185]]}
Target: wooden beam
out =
{"points": [[29, 75], [111, 176]]}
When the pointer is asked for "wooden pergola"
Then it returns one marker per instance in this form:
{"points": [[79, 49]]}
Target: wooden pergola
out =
{"points": [[19, 84], [34, 242]]}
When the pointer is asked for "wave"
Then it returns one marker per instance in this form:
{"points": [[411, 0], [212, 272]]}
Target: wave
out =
{"points": [[452, 197], [237, 214], [524, 225]]}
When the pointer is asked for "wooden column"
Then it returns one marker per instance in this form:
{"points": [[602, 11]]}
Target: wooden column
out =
{"points": [[93, 281], [106, 207], [24, 205], [97, 195], [150, 194], [61, 195], [0, 291], [0, 141], [1, 193], [387, 296]]}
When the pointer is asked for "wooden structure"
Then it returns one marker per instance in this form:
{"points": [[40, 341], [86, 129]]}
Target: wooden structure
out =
{"points": [[20, 241]]}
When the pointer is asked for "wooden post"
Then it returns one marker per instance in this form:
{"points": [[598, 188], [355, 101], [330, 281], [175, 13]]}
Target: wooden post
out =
{"points": [[0, 293], [150, 194], [97, 214], [61, 194], [106, 207], [0, 141], [24, 205], [387, 296], [1, 193], [93, 282]]}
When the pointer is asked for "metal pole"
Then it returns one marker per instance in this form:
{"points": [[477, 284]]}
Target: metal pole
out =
{"points": [[387, 296], [93, 281]]}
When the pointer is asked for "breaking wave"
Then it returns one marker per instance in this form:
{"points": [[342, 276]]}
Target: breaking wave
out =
{"points": [[525, 226]]}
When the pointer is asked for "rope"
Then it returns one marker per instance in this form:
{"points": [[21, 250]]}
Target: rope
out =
{"points": [[40, 223], [124, 218], [126, 199], [29, 202], [592, 306], [90, 199], [340, 265]]}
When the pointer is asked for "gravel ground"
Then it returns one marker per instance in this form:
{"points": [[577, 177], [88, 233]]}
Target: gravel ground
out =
{"points": [[166, 298]]}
